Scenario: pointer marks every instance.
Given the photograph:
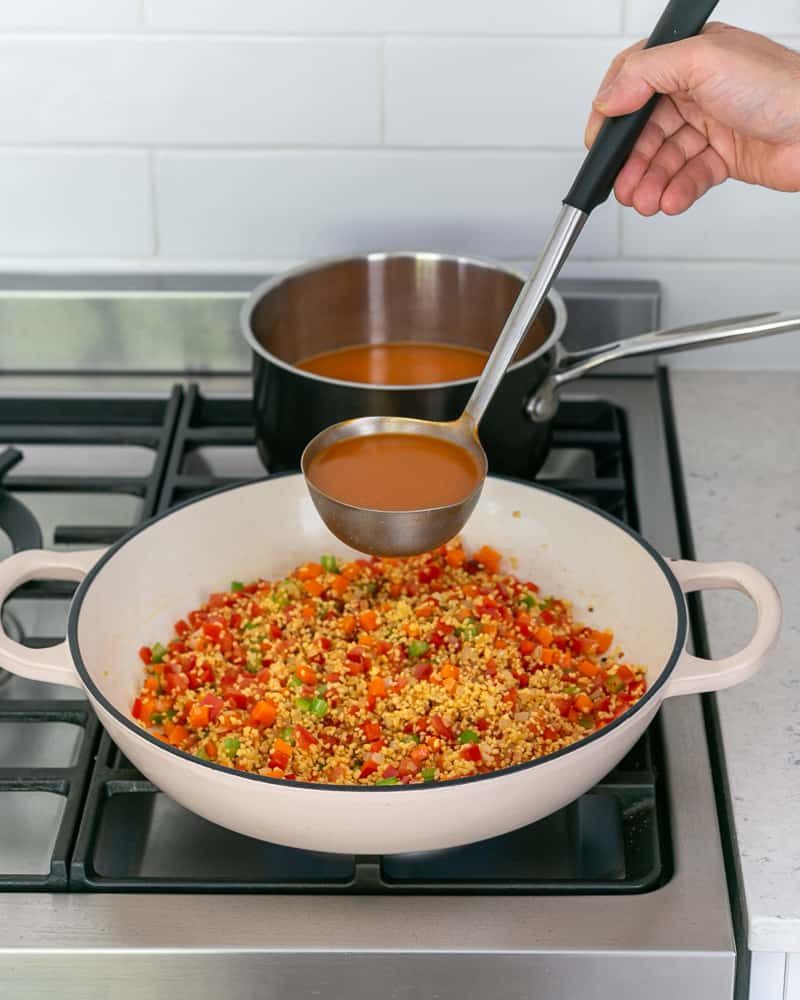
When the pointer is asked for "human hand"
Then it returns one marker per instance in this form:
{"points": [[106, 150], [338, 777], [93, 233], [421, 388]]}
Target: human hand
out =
{"points": [[731, 108]]}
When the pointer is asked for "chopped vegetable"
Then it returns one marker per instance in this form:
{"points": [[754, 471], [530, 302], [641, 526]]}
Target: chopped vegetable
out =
{"points": [[382, 672]]}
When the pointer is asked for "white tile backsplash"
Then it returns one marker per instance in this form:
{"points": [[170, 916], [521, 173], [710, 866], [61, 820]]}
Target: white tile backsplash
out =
{"points": [[452, 17], [247, 134], [190, 91], [733, 221], [695, 292], [69, 15], [304, 204], [491, 92], [74, 205], [773, 17]]}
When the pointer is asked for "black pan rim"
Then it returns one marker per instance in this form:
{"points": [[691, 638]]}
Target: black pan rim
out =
{"points": [[129, 723]]}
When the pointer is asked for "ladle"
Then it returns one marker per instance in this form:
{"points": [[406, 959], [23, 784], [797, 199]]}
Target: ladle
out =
{"points": [[408, 532]]}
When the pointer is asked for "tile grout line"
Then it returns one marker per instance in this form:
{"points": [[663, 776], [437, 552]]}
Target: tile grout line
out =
{"points": [[154, 221], [382, 91]]}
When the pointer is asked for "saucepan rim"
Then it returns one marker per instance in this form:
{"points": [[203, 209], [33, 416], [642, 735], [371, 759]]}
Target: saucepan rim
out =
{"points": [[270, 284], [653, 692]]}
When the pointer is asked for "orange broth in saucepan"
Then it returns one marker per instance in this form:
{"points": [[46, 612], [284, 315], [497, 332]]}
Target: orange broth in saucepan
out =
{"points": [[402, 363]]}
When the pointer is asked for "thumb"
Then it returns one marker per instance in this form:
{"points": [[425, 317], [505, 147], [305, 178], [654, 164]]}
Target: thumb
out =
{"points": [[665, 69]]}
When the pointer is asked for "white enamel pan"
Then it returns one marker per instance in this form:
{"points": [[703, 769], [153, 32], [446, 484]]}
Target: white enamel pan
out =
{"points": [[131, 594]]}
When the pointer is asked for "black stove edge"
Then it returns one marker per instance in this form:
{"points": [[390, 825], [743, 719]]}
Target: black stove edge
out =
{"points": [[719, 772]]}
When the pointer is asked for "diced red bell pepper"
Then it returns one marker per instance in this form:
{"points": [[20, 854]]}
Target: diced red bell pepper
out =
{"points": [[372, 731], [471, 752], [303, 738], [367, 768], [441, 728]]}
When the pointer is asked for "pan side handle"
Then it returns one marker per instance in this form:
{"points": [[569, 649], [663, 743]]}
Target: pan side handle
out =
{"points": [[52, 664], [693, 674]]}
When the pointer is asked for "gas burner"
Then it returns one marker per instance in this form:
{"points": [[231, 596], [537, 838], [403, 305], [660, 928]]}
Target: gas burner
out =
{"points": [[16, 520]]}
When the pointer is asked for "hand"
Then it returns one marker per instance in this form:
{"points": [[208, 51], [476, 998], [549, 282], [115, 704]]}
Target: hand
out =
{"points": [[731, 108]]}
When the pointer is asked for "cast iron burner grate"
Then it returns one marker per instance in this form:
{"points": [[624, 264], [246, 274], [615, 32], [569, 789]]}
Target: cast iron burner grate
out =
{"points": [[613, 840], [56, 477]]}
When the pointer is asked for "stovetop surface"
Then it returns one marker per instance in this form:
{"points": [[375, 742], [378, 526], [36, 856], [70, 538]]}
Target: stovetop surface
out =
{"points": [[87, 469], [625, 888]]}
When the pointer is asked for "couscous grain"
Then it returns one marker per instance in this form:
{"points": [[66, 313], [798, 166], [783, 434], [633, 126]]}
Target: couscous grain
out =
{"points": [[382, 672]]}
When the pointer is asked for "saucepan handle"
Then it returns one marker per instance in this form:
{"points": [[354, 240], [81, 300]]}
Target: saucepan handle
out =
{"points": [[693, 674], [570, 366], [52, 664]]}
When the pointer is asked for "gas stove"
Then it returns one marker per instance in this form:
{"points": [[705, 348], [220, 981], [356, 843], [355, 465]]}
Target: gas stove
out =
{"points": [[103, 879]]}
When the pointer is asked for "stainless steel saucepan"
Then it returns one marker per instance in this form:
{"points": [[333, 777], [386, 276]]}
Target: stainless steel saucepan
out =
{"points": [[389, 297]]}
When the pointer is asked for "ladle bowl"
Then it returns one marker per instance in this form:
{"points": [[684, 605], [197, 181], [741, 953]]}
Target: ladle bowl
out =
{"points": [[396, 532]]}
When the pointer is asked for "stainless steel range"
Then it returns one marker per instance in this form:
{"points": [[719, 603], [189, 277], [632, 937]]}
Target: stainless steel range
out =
{"points": [[120, 402]]}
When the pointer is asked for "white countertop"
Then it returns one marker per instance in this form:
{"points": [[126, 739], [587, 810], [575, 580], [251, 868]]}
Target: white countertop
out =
{"points": [[740, 442]]}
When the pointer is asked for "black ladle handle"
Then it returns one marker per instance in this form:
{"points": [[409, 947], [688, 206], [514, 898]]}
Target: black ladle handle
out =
{"points": [[615, 140]]}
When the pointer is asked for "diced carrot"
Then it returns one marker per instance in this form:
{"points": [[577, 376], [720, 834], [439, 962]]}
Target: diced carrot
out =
{"points": [[544, 635], [211, 749], [264, 712], [426, 611], [450, 684], [309, 572], [148, 706], [308, 611], [199, 716], [624, 673], [603, 640], [449, 670], [588, 669], [488, 558], [419, 753], [313, 588], [351, 570], [282, 747], [306, 674], [177, 734], [455, 557], [583, 703], [340, 584], [151, 684], [548, 657], [365, 639], [347, 624], [376, 688], [368, 620]]}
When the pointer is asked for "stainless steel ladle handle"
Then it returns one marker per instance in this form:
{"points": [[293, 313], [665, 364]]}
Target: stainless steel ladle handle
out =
{"points": [[570, 366]]}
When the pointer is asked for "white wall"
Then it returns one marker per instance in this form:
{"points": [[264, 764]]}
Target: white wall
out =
{"points": [[249, 134]]}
